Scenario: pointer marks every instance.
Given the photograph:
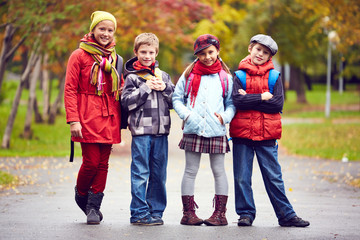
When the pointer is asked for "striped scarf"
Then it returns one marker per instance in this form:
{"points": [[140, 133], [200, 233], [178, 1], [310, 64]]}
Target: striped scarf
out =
{"points": [[101, 64]]}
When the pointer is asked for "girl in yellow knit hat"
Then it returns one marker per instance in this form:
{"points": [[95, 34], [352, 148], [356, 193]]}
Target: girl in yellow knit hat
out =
{"points": [[92, 107]]}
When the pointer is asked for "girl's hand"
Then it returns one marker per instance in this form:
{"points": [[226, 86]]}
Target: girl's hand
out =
{"points": [[220, 118], [242, 92], [75, 130]]}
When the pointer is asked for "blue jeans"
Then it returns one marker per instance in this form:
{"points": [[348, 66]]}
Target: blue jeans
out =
{"points": [[148, 176], [243, 157]]}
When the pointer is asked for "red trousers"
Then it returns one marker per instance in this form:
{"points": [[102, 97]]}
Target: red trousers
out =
{"points": [[93, 171]]}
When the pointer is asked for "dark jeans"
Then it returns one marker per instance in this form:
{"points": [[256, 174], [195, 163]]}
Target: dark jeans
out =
{"points": [[243, 157]]}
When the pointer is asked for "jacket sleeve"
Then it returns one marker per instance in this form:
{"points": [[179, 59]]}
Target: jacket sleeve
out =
{"points": [[230, 109], [178, 99], [71, 88], [135, 92], [254, 102], [244, 102], [276, 103], [169, 89]]}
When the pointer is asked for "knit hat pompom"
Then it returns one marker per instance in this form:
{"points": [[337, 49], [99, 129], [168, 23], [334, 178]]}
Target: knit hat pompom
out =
{"points": [[99, 16]]}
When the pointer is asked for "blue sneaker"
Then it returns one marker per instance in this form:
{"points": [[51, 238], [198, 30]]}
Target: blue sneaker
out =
{"points": [[148, 221]]}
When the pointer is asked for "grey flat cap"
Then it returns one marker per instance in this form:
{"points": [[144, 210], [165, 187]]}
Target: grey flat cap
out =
{"points": [[266, 41]]}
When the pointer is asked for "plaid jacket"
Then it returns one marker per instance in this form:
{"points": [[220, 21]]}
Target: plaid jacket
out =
{"points": [[149, 110]]}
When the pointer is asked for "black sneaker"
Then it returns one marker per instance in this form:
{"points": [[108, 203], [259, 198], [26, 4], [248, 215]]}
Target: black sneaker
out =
{"points": [[245, 221], [158, 219], [294, 222], [148, 221]]}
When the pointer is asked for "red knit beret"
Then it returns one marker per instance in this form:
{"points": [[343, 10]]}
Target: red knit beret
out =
{"points": [[205, 41]]}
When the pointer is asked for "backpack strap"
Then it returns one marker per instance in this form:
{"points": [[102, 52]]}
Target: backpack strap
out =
{"points": [[273, 77], [187, 85], [223, 79], [119, 64], [241, 75], [224, 82]]}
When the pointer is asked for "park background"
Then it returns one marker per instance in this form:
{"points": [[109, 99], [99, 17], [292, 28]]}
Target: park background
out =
{"points": [[318, 56]]}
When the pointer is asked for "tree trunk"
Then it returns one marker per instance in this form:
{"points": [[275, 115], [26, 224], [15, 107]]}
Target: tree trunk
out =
{"points": [[27, 133], [54, 108], [45, 87], [297, 83], [6, 46], [10, 123], [7, 52], [38, 117]]}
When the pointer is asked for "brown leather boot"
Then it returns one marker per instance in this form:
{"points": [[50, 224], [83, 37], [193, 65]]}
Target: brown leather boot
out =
{"points": [[218, 218], [189, 216]]}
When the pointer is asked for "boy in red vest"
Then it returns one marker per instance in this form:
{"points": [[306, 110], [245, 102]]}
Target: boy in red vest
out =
{"points": [[255, 129]]}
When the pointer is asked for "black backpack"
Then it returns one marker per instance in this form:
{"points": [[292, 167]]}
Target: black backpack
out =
{"points": [[124, 112]]}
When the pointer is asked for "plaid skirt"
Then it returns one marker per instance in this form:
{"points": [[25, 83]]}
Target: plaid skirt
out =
{"points": [[195, 143]]}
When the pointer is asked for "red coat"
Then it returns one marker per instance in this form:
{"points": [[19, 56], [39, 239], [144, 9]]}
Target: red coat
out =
{"points": [[99, 115], [253, 124]]}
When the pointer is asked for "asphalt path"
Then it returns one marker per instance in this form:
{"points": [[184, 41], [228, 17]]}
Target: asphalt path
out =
{"points": [[43, 206]]}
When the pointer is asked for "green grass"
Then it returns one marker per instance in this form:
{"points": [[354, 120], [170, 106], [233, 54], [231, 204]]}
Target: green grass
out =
{"points": [[323, 140], [6, 179], [316, 98], [47, 140]]}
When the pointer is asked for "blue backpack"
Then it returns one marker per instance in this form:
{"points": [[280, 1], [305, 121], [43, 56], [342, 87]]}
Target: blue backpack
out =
{"points": [[273, 77]]}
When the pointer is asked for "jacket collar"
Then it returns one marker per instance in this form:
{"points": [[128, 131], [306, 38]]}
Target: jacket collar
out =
{"points": [[251, 69]]}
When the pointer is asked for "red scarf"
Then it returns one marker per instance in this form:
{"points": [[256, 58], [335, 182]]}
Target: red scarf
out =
{"points": [[138, 66], [199, 70]]}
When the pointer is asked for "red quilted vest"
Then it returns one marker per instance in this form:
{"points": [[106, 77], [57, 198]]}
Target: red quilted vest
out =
{"points": [[252, 124]]}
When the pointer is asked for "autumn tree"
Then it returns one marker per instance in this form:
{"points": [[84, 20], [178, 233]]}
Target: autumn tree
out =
{"points": [[33, 19], [52, 30], [295, 25], [171, 20], [341, 17]]}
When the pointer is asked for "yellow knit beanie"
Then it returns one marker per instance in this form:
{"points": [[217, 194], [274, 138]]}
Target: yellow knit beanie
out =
{"points": [[99, 16]]}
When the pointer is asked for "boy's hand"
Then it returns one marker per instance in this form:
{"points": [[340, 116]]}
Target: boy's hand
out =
{"points": [[150, 84], [75, 130], [159, 84], [220, 118], [266, 96], [242, 92]]}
